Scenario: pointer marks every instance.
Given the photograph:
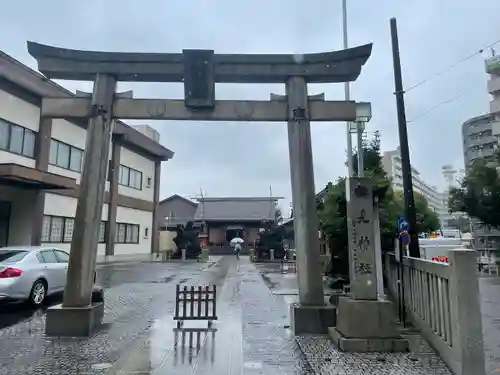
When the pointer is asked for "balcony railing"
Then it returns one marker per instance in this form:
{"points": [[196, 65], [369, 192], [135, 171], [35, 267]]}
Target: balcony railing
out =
{"points": [[495, 106], [494, 84]]}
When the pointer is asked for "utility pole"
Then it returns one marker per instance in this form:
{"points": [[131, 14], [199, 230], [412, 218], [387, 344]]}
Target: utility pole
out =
{"points": [[410, 211], [347, 93]]}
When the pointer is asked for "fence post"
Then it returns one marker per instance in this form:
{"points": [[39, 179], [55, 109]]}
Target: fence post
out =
{"points": [[466, 313]]}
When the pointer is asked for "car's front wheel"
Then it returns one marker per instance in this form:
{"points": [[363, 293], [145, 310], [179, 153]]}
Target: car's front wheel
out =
{"points": [[38, 293]]}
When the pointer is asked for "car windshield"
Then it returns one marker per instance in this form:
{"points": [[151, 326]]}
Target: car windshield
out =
{"points": [[12, 256]]}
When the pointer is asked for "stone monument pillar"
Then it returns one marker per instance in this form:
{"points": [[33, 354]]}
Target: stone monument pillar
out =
{"points": [[365, 323], [310, 315], [78, 316]]}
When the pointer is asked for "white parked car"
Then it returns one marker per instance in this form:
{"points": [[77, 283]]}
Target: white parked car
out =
{"points": [[32, 273]]}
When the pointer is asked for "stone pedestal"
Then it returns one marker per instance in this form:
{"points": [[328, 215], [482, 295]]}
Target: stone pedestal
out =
{"points": [[335, 297], [64, 321], [367, 326], [312, 319]]}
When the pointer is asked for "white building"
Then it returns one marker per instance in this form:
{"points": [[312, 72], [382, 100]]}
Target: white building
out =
{"points": [[492, 66], [41, 161], [391, 161]]}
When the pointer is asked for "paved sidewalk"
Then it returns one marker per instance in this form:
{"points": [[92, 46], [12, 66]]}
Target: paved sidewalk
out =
{"points": [[324, 358], [132, 308], [250, 337]]}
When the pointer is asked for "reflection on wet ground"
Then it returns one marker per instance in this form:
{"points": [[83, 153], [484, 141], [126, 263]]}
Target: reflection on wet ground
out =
{"points": [[250, 337], [14, 313], [108, 276]]}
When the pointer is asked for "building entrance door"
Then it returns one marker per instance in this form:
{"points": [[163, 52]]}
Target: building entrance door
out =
{"points": [[4, 222]]}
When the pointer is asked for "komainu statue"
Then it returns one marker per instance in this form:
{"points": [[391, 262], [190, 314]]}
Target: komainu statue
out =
{"points": [[187, 238]]}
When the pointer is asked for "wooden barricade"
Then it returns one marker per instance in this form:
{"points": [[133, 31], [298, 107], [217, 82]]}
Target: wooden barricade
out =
{"points": [[195, 303]]}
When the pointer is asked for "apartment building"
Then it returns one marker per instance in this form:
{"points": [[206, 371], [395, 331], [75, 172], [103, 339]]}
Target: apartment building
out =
{"points": [[492, 67], [478, 139], [41, 162], [391, 162]]}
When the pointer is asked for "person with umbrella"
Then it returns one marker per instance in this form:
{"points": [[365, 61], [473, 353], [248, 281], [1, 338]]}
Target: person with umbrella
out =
{"points": [[236, 243]]}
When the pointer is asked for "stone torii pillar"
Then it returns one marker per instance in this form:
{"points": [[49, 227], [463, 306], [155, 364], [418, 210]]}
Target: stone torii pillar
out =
{"points": [[309, 274], [311, 314], [77, 316]]}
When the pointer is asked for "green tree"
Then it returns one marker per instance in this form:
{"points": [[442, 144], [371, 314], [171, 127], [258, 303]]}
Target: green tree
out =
{"points": [[478, 194], [427, 219], [333, 210]]}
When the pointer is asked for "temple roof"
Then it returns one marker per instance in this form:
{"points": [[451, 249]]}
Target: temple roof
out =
{"points": [[236, 209]]}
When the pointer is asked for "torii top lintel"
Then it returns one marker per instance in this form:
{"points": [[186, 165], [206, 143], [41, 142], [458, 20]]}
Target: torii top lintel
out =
{"points": [[328, 67]]}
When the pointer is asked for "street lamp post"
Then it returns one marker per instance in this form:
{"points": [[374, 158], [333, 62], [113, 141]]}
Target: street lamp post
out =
{"points": [[347, 93], [359, 127]]}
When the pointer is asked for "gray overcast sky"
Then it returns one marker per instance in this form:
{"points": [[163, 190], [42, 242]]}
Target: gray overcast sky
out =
{"points": [[433, 35]]}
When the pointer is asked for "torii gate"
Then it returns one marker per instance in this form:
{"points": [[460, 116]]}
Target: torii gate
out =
{"points": [[199, 70]]}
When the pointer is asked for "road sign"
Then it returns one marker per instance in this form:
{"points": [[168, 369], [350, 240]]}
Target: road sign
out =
{"points": [[403, 224], [405, 239]]}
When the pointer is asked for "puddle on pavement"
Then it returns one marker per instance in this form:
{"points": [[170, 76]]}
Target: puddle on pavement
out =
{"points": [[164, 280], [194, 348], [267, 280]]}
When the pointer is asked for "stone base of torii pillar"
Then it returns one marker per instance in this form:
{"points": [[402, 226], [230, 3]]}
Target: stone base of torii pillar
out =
{"points": [[365, 323]]}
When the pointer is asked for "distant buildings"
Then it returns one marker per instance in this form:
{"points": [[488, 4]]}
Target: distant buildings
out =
{"points": [[391, 162], [492, 66], [480, 137], [224, 218]]}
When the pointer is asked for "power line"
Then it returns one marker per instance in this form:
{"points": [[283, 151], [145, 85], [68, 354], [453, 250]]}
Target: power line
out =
{"points": [[480, 51], [435, 107]]}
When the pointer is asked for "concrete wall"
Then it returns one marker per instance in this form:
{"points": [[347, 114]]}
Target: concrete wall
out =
{"points": [[166, 240], [141, 164], [58, 205], [145, 221], [70, 134], [17, 111]]}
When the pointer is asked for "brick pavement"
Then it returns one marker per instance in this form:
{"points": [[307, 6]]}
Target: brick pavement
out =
{"points": [[324, 358], [131, 309], [252, 336]]}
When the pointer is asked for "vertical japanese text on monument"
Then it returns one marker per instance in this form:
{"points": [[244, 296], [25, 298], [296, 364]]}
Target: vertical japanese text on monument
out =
{"points": [[360, 244]]}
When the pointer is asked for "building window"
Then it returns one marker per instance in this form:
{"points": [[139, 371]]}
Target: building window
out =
{"points": [[60, 229], [127, 233], [102, 232], [16, 139], [130, 177], [69, 225], [65, 156]]}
